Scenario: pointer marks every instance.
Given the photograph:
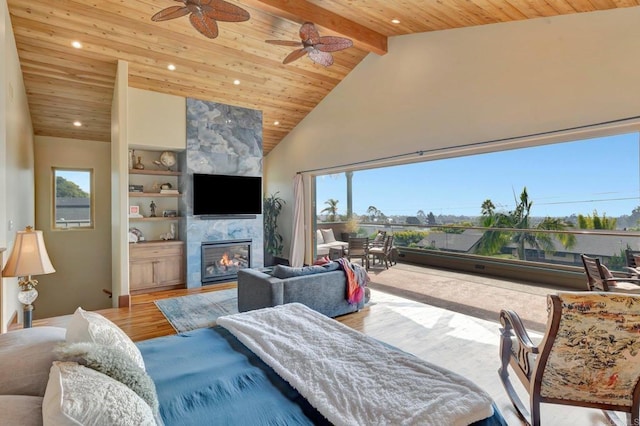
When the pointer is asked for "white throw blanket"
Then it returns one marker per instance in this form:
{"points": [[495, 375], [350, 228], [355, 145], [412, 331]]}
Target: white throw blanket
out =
{"points": [[353, 379]]}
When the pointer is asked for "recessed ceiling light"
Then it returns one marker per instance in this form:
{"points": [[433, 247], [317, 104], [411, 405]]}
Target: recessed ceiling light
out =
{"points": [[171, 67], [395, 21], [76, 44], [77, 123], [276, 123], [236, 82]]}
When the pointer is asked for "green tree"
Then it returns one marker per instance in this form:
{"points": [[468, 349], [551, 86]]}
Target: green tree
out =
{"points": [[68, 189], [331, 209], [525, 235], [487, 208], [431, 219], [373, 212], [421, 216], [596, 222]]}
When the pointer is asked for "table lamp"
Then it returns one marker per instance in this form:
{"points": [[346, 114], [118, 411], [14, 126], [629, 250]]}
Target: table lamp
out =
{"points": [[28, 257]]}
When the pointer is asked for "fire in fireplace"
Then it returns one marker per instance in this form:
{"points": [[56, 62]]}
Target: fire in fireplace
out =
{"points": [[221, 260]]}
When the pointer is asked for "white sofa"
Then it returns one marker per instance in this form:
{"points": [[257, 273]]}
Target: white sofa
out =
{"points": [[325, 240]]}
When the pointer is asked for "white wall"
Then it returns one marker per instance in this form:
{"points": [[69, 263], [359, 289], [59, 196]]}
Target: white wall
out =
{"points": [[450, 88], [16, 161], [119, 188], [156, 120]]}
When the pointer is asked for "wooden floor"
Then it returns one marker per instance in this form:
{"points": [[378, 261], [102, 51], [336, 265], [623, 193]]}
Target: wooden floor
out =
{"points": [[143, 320]]}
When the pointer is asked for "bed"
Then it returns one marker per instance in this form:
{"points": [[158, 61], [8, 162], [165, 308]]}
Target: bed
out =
{"points": [[290, 365]]}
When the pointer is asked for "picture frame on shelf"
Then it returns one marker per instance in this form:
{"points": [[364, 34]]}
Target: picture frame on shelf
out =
{"points": [[134, 211]]}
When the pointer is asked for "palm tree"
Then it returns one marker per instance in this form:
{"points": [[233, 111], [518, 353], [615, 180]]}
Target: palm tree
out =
{"points": [[492, 241], [331, 209]]}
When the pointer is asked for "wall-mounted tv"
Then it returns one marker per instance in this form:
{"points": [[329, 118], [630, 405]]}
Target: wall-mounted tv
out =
{"points": [[226, 195]]}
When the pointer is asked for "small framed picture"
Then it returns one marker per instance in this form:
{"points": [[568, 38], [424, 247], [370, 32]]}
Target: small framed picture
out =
{"points": [[134, 210], [169, 213]]}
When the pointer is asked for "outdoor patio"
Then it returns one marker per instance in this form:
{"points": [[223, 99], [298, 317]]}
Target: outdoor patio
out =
{"points": [[458, 314], [475, 295]]}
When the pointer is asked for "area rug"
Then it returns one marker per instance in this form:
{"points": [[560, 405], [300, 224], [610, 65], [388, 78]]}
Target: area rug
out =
{"points": [[198, 310]]}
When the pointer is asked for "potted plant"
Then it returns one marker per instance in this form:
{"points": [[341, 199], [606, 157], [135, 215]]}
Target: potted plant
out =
{"points": [[352, 226], [273, 246]]}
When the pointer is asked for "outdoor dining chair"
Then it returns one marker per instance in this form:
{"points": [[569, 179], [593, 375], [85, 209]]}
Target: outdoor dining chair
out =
{"points": [[599, 278], [358, 248]]}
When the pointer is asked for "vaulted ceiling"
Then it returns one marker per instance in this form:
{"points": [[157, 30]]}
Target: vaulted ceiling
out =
{"points": [[65, 84]]}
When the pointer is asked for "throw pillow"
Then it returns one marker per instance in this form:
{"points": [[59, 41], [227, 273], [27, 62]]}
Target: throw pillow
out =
{"points": [[113, 362], [79, 395], [327, 236], [608, 275], [379, 236], [319, 237], [281, 271], [25, 359], [92, 327]]}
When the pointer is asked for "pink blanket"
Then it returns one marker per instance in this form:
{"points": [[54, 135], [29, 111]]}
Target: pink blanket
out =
{"points": [[357, 279]]}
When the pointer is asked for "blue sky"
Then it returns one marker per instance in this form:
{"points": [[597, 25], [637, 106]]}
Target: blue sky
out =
{"points": [[80, 178], [561, 179]]}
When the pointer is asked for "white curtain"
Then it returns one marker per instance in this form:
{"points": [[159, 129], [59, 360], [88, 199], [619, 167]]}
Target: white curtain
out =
{"points": [[296, 256]]}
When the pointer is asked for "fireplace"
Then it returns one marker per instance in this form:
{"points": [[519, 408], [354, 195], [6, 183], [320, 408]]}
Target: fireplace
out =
{"points": [[221, 260]]}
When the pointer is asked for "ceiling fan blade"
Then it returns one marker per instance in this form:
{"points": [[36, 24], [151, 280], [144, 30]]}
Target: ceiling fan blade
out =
{"points": [[296, 54], [284, 43], [225, 11], [207, 26], [333, 44], [322, 58], [309, 33], [170, 13]]}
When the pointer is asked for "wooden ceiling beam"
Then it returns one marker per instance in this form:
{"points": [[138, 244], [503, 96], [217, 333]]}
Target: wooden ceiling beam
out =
{"points": [[302, 11]]}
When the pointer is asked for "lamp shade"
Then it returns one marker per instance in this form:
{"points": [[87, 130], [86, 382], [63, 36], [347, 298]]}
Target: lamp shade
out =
{"points": [[29, 255]]}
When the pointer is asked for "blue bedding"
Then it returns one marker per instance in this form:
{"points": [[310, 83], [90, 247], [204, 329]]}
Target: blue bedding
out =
{"points": [[207, 377]]}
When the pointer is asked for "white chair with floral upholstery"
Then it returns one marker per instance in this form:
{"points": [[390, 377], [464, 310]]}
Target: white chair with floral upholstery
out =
{"points": [[588, 357]]}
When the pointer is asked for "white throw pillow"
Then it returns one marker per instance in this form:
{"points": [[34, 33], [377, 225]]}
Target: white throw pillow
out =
{"points": [[327, 235], [92, 327], [77, 395], [319, 237]]}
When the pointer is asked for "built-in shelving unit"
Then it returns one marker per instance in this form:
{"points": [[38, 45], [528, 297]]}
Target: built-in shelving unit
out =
{"points": [[155, 263], [153, 172]]}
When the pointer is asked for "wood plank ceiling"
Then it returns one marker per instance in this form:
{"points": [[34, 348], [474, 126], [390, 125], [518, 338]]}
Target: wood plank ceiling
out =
{"points": [[65, 84]]}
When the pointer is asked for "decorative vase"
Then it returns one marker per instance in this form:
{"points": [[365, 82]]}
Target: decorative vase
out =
{"points": [[139, 164]]}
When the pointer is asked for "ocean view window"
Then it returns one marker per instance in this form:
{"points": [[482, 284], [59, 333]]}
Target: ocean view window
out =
{"points": [[547, 203], [73, 198]]}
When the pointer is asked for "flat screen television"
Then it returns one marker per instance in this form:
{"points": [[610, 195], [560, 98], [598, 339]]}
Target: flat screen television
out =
{"points": [[226, 195]]}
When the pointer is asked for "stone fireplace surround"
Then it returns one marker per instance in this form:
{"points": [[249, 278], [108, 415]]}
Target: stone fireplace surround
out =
{"points": [[221, 139]]}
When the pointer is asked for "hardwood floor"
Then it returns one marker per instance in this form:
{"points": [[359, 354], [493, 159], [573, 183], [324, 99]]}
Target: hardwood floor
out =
{"points": [[143, 320]]}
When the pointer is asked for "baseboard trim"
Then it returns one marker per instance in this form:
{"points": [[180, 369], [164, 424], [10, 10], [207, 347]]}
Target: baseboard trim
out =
{"points": [[124, 301]]}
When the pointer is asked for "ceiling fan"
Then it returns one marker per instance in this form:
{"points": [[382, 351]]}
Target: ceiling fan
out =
{"points": [[316, 47], [203, 14]]}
